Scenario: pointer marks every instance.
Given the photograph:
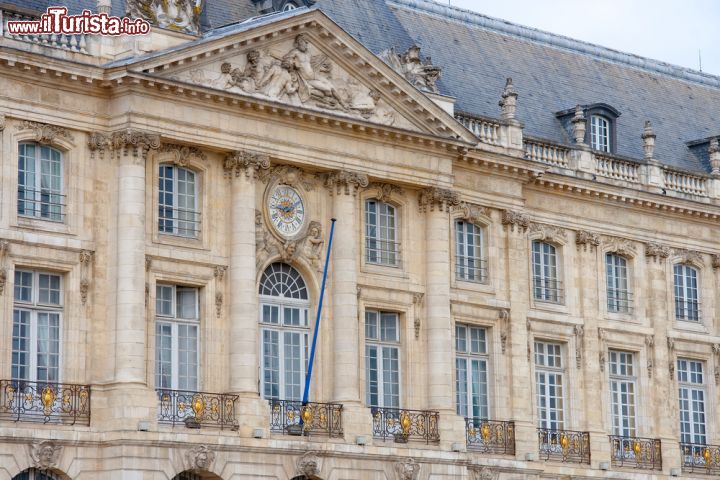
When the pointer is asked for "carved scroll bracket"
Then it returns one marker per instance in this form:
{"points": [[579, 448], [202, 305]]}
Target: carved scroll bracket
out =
{"points": [[585, 240], [656, 252]]}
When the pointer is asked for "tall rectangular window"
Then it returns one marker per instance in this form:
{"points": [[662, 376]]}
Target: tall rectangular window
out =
{"points": [[687, 303], [546, 286], [618, 295], [40, 182], [469, 262], [37, 317], [382, 359], [599, 133], [178, 209], [549, 393], [622, 393], [381, 245], [691, 382], [177, 337], [284, 331], [471, 371]]}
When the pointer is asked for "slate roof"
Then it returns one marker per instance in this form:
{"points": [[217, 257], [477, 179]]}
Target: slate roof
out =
{"points": [[550, 72]]}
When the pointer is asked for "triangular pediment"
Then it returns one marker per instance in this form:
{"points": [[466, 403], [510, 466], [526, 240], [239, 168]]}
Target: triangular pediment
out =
{"points": [[304, 61]]}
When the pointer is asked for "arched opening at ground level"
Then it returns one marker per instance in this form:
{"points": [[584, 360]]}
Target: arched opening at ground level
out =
{"points": [[196, 475], [35, 474]]}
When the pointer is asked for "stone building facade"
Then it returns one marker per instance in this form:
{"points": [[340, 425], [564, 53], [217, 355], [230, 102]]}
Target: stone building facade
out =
{"points": [[500, 303]]}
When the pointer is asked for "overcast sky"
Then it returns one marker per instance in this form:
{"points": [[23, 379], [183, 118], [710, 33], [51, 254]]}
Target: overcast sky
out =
{"points": [[669, 30]]}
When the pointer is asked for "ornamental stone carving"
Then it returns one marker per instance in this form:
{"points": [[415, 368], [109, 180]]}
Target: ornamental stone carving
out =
{"points": [[442, 198], [716, 354], [585, 240], [343, 181], [650, 343], [716, 260], [602, 340], [671, 355], [288, 175], [473, 213], [124, 142], [579, 336], [45, 454], [308, 246], [504, 321], [548, 232], [648, 138], [309, 465], [3, 280], [4, 248], [2, 122], [417, 303], [657, 251], [300, 77], [714, 153], [45, 133], [178, 15], [386, 190], [422, 74], [478, 472], [407, 469], [219, 272], [200, 458], [508, 100], [182, 154], [620, 246], [513, 220], [689, 256], [245, 161], [578, 125], [84, 289], [219, 298]]}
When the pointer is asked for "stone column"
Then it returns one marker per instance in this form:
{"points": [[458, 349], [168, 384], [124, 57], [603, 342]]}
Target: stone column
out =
{"points": [[435, 203]]}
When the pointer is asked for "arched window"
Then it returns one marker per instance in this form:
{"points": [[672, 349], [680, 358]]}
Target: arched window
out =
{"points": [[284, 331], [188, 475], [34, 474], [40, 182], [600, 133], [469, 262], [289, 6], [178, 202], [546, 285], [687, 303], [381, 234], [618, 293]]}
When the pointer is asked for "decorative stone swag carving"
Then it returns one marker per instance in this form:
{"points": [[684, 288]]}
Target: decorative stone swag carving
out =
{"points": [[344, 181], [308, 465], [621, 246], [482, 472], [716, 369], [182, 154], [548, 232], [245, 161], [473, 213], [124, 142], [86, 258], [585, 240], [421, 74], [528, 326], [513, 220], [417, 303], [689, 256], [200, 457], [579, 336], [386, 190], [602, 340], [656, 251], [4, 250], [441, 198], [671, 356], [178, 15], [45, 454], [407, 469], [650, 343], [504, 323], [45, 133]]}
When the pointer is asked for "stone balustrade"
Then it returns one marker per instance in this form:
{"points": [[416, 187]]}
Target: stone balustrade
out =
{"points": [[487, 130], [73, 43], [684, 182], [544, 152], [616, 168]]}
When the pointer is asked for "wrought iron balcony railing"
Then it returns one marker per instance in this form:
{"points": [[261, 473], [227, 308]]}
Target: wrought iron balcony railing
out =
{"points": [[564, 445], [63, 403], [548, 290], [179, 221], [636, 452], [197, 409], [382, 252], [43, 204], [619, 301], [490, 436], [405, 425], [688, 310], [293, 418], [471, 269], [698, 458]]}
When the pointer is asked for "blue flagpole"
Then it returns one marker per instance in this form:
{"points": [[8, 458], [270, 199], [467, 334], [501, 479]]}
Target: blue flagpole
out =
{"points": [[308, 375]]}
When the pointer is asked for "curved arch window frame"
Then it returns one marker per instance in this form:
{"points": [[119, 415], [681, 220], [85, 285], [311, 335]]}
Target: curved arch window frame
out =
{"points": [[618, 283], [289, 6], [284, 335], [471, 262], [178, 209], [686, 292], [382, 233], [546, 264], [600, 133], [41, 182]]}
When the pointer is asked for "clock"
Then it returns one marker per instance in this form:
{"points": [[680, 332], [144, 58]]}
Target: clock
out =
{"points": [[286, 210]]}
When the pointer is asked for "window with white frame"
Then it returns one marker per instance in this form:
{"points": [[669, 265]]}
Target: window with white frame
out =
{"points": [[40, 182], [600, 133], [471, 371], [549, 394], [177, 338], [284, 332], [178, 202], [546, 286], [469, 262], [381, 234], [622, 393], [382, 359], [37, 320], [687, 303], [691, 385], [618, 293]]}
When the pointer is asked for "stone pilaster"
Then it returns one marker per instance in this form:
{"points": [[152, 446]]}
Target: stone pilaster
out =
{"points": [[343, 187]]}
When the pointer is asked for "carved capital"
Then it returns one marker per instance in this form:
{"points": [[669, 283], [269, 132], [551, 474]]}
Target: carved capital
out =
{"points": [[309, 465], [245, 161], [442, 198], [45, 454], [512, 219], [86, 257], [182, 154], [344, 182], [473, 213], [200, 458], [45, 133], [407, 469], [656, 251], [585, 240], [220, 271], [124, 142], [548, 232]]}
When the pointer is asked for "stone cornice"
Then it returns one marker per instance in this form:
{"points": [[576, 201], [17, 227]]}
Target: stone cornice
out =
{"points": [[344, 182], [442, 198], [245, 161]]}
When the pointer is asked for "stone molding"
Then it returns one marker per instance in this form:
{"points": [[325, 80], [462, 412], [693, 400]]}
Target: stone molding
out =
{"points": [[656, 251], [245, 161], [473, 213], [385, 191], [407, 469], [45, 454], [482, 472], [621, 246], [123, 142], [551, 233], [288, 175], [442, 198], [182, 154], [340, 182], [585, 240], [688, 256], [45, 133], [200, 457], [514, 219], [308, 465]]}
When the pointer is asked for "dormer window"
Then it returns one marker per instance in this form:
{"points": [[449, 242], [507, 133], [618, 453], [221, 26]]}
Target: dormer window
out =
{"points": [[599, 133], [289, 6]]}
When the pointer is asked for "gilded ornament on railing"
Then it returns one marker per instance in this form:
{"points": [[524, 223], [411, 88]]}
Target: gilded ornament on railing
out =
{"points": [[197, 409], [48, 399], [294, 418]]}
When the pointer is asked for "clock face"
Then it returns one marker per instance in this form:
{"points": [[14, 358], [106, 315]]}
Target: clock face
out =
{"points": [[287, 212]]}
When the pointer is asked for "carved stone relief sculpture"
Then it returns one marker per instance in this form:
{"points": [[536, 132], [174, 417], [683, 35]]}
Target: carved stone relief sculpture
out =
{"points": [[407, 469], [200, 458], [308, 465], [45, 454], [420, 73], [178, 15]]}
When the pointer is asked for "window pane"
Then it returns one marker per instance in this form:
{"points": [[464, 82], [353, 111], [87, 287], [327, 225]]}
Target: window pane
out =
{"points": [[187, 303], [163, 355], [271, 364], [23, 286], [21, 345], [164, 300]]}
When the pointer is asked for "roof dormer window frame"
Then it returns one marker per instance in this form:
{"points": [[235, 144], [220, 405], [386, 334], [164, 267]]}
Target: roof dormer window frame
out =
{"points": [[601, 130]]}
